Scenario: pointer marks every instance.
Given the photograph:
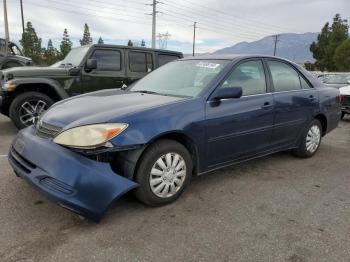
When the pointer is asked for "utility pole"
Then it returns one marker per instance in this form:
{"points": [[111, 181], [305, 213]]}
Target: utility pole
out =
{"points": [[275, 41], [194, 37], [22, 16], [7, 36], [154, 17]]}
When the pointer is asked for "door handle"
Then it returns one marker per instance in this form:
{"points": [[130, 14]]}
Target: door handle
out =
{"points": [[312, 98], [266, 105]]}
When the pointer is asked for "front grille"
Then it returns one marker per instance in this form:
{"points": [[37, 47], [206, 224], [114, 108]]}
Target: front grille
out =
{"points": [[346, 101], [45, 130]]}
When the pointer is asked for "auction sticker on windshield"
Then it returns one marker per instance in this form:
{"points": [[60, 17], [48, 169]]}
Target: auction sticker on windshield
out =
{"points": [[207, 65]]}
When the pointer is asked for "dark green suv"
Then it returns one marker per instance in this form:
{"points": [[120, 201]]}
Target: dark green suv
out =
{"points": [[27, 92]]}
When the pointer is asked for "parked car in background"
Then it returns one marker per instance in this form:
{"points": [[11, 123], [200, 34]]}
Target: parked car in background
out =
{"points": [[13, 57], [345, 93], [27, 92], [186, 118], [335, 79]]}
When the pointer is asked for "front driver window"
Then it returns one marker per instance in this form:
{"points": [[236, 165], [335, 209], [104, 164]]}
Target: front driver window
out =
{"points": [[250, 76], [107, 60]]}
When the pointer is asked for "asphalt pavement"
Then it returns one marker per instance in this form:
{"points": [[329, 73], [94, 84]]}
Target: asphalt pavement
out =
{"points": [[277, 208]]}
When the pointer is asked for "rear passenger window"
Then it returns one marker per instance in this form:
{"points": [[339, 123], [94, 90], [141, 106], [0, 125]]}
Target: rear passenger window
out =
{"points": [[140, 62], [284, 77], [107, 60], [164, 59], [250, 76]]}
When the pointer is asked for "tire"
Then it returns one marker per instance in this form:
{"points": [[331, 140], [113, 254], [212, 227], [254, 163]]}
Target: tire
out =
{"points": [[310, 141], [23, 104], [342, 115], [148, 162]]}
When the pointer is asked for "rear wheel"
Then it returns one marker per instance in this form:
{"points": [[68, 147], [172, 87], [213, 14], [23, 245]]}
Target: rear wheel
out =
{"points": [[311, 140], [26, 108], [163, 173]]}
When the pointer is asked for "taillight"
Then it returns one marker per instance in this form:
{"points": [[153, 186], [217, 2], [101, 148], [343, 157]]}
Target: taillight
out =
{"points": [[341, 98]]}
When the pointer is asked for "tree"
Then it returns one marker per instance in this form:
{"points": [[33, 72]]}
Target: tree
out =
{"points": [[143, 43], [86, 40], [130, 43], [100, 41], [342, 56], [327, 42], [51, 54], [66, 44], [31, 44]]}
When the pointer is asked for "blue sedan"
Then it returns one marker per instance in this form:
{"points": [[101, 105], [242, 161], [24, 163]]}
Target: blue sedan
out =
{"points": [[186, 118]]}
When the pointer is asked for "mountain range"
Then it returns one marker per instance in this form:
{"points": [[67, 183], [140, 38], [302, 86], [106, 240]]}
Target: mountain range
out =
{"points": [[292, 46]]}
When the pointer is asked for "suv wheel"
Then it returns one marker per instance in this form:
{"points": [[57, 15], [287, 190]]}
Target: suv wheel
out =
{"points": [[163, 173], [311, 140], [26, 108]]}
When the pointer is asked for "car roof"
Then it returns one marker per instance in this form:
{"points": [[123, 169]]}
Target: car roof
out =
{"points": [[230, 57], [137, 48]]}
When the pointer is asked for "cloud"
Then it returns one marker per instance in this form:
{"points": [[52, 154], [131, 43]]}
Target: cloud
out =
{"points": [[220, 22]]}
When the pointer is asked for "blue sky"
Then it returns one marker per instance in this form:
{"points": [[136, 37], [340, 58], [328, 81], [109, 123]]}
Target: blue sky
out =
{"points": [[221, 23]]}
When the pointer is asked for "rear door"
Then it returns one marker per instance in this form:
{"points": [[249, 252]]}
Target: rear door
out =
{"points": [[139, 64], [110, 71], [296, 102]]}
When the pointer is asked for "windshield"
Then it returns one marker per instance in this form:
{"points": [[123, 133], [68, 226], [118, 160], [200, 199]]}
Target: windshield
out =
{"points": [[336, 79], [75, 56], [180, 78], [15, 50]]}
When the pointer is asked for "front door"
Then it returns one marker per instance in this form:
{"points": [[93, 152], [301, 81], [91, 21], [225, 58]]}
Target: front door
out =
{"points": [[110, 71], [241, 127], [295, 103]]}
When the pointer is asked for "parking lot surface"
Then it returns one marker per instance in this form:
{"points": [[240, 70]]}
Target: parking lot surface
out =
{"points": [[277, 208]]}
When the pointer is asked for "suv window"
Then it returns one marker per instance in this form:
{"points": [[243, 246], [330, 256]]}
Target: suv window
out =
{"points": [[107, 60], [164, 59], [284, 77], [140, 62], [250, 76]]}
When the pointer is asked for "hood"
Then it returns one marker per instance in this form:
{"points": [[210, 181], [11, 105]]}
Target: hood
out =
{"points": [[35, 71], [102, 107], [345, 91]]}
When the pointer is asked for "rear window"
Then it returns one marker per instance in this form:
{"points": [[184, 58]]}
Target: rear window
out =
{"points": [[164, 59], [140, 62]]}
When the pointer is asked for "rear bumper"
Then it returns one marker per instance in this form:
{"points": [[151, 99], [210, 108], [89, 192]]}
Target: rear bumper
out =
{"points": [[345, 109], [71, 180]]}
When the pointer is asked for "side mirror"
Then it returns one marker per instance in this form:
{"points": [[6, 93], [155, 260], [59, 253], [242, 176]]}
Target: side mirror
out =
{"points": [[90, 64], [228, 92], [348, 81]]}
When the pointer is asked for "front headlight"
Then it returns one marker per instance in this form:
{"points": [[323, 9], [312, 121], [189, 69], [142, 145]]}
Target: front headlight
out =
{"points": [[90, 136]]}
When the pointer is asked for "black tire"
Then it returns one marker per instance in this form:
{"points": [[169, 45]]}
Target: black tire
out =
{"points": [[16, 110], [160, 148], [302, 151], [342, 115]]}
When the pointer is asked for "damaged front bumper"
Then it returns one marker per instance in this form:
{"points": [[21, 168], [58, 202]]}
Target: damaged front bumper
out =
{"points": [[73, 181]]}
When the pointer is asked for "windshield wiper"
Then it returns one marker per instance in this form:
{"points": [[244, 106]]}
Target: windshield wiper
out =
{"points": [[146, 92]]}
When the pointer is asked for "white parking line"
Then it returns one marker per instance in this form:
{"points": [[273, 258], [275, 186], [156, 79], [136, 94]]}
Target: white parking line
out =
{"points": [[3, 155]]}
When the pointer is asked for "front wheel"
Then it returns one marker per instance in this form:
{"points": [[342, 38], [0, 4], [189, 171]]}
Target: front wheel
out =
{"points": [[163, 173], [26, 108], [311, 140]]}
